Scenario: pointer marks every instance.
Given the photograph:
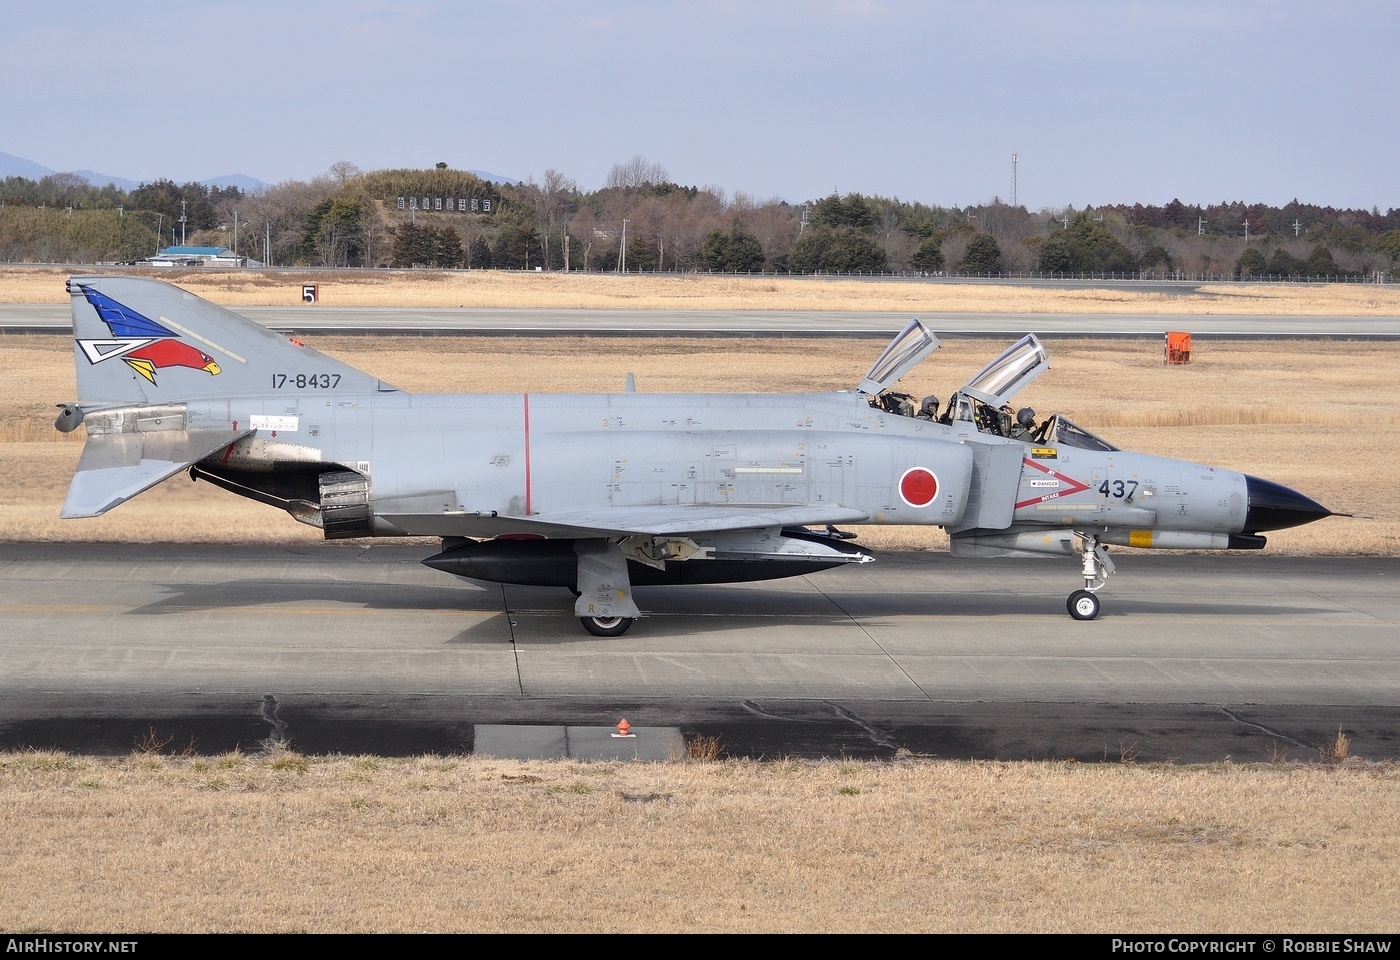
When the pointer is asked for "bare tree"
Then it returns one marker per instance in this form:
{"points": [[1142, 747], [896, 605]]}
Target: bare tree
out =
{"points": [[553, 202], [637, 172], [585, 227], [343, 171]]}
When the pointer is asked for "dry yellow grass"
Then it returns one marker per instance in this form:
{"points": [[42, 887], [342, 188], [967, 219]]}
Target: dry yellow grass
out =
{"points": [[1318, 416], [641, 292], [287, 843]]}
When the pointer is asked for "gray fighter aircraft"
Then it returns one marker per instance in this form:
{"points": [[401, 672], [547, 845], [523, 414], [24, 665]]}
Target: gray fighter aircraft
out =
{"points": [[601, 493]]}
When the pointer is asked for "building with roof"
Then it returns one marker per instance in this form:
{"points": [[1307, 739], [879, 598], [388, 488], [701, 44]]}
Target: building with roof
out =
{"points": [[183, 256]]}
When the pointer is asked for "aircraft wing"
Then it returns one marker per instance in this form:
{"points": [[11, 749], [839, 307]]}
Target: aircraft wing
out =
{"points": [[115, 467], [679, 520]]}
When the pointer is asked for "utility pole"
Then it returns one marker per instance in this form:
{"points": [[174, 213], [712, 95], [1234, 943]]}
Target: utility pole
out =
{"points": [[803, 225], [1065, 221], [1201, 226], [183, 220], [1246, 230], [1014, 201], [1296, 227], [622, 250]]}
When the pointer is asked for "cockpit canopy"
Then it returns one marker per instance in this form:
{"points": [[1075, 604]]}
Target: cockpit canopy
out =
{"points": [[1061, 431], [1013, 369], [985, 400], [904, 353]]}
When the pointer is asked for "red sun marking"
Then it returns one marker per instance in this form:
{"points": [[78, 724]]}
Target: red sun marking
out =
{"points": [[918, 487]]}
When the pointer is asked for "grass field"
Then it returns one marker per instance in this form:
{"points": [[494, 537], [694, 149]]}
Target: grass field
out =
{"points": [[289, 843], [478, 288]]}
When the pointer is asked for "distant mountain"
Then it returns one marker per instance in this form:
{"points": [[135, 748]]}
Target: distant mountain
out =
{"points": [[13, 166], [240, 180], [495, 178], [102, 179]]}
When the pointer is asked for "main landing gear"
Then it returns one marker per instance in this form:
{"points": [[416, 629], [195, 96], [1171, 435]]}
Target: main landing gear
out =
{"points": [[1084, 604], [606, 626]]}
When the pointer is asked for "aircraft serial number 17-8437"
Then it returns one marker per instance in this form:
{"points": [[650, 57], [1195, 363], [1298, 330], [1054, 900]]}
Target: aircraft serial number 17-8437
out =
{"points": [[602, 493]]}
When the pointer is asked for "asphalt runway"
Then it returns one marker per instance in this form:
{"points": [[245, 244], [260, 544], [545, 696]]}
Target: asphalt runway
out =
{"points": [[349, 648], [323, 319]]}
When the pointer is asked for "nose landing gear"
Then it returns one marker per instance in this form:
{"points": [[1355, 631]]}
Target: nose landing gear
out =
{"points": [[1083, 604]]}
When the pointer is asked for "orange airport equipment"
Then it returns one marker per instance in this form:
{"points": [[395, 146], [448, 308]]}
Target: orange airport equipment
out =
{"points": [[1178, 347]]}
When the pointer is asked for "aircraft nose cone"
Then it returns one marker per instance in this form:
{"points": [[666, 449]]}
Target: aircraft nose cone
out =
{"points": [[1272, 506]]}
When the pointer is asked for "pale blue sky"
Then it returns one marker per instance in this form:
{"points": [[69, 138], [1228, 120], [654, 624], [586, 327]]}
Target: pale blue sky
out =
{"points": [[1106, 102]]}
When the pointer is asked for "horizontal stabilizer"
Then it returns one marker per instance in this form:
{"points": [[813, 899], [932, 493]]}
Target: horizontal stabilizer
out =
{"points": [[115, 467]]}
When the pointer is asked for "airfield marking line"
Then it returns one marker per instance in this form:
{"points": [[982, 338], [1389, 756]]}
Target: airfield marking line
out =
{"points": [[510, 625], [875, 643]]}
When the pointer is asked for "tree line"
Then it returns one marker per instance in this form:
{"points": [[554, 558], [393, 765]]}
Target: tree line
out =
{"points": [[641, 220]]}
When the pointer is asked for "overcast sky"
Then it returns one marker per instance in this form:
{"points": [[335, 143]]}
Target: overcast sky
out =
{"points": [[1105, 102]]}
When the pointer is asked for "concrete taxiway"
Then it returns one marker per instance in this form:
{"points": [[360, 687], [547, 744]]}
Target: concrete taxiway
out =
{"points": [[325, 319], [352, 647]]}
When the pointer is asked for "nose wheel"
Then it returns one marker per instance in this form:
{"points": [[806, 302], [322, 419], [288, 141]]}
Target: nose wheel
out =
{"points": [[1084, 604]]}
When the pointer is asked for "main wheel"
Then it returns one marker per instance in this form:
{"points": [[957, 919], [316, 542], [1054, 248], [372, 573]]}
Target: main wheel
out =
{"points": [[606, 626], [1083, 605]]}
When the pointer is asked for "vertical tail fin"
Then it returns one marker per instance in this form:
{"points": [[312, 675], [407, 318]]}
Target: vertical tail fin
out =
{"points": [[140, 341], [145, 353]]}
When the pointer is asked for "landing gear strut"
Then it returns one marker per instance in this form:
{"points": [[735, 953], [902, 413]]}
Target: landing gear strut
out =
{"points": [[602, 592], [1083, 604]]}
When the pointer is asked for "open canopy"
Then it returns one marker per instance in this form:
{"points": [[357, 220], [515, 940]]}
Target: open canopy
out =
{"points": [[1018, 365], [910, 346]]}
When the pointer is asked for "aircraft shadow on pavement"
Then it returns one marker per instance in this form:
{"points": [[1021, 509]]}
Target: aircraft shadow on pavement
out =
{"points": [[718, 606], [185, 597], [679, 611], [711, 609]]}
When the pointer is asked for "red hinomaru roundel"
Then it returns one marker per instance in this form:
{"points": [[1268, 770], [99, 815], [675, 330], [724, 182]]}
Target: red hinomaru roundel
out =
{"points": [[918, 486]]}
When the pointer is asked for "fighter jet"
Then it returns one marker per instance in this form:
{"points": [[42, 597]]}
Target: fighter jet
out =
{"points": [[603, 493]]}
